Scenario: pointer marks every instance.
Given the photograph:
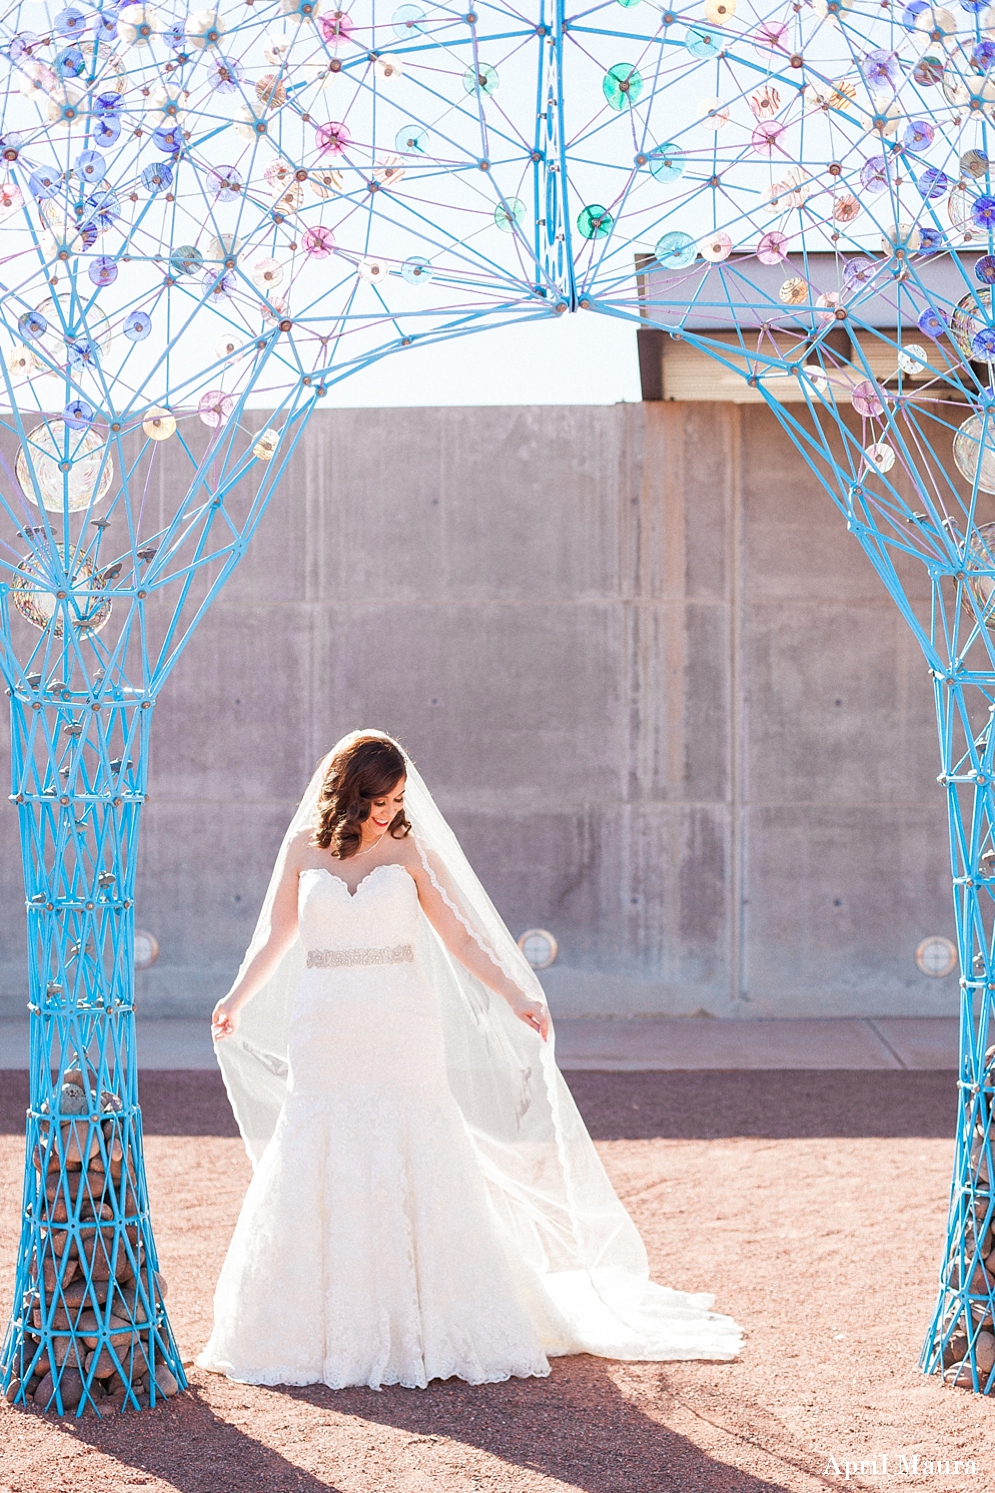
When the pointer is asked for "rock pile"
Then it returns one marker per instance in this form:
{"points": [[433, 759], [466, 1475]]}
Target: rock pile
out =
{"points": [[93, 1301], [969, 1329]]}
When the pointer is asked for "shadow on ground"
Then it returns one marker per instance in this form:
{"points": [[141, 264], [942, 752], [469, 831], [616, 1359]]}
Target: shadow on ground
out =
{"points": [[700, 1105], [575, 1427], [191, 1448]]}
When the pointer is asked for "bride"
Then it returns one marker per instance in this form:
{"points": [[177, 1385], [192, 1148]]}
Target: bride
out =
{"points": [[426, 1201]]}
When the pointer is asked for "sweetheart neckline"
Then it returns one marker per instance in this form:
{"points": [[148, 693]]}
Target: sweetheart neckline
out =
{"points": [[324, 871]]}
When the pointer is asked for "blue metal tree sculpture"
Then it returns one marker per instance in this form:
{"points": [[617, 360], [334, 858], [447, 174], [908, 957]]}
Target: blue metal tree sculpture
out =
{"points": [[211, 212], [829, 238], [203, 215]]}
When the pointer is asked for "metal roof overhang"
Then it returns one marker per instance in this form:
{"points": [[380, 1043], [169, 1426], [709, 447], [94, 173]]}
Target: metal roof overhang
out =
{"points": [[742, 292]]}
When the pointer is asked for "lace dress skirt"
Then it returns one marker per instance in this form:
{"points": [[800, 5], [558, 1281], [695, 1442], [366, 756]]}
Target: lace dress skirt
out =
{"points": [[367, 1251]]}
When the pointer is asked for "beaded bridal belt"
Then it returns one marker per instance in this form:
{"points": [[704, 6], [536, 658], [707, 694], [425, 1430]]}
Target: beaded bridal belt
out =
{"points": [[402, 953]]}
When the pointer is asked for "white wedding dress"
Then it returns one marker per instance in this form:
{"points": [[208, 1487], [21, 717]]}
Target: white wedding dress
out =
{"points": [[380, 1241], [365, 1252]]}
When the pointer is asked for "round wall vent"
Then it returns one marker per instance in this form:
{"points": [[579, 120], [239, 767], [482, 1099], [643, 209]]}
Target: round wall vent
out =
{"points": [[937, 956], [146, 949], [539, 947]]}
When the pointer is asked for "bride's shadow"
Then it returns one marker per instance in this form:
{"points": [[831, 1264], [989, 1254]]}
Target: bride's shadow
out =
{"points": [[575, 1427]]}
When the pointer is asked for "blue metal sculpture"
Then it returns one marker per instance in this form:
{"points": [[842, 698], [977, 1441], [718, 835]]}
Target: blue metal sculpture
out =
{"points": [[211, 212], [87, 641], [836, 253], [136, 327]]}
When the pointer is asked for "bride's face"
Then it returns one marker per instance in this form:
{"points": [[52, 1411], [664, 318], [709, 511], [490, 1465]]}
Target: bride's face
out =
{"points": [[383, 811]]}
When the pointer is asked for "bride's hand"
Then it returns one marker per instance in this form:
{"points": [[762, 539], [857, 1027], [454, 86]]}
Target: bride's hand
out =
{"points": [[535, 1014], [224, 1020]]}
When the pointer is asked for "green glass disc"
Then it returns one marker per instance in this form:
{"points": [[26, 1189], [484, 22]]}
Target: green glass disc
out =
{"points": [[622, 85], [482, 77], [594, 221], [508, 214]]}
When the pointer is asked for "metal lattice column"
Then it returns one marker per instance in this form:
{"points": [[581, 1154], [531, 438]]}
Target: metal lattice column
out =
{"points": [[967, 749], [87, 1280], [89, 1300], [922, 519]]}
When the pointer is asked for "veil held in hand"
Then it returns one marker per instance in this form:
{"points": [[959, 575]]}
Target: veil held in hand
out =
{"points": [[561, 1219]]}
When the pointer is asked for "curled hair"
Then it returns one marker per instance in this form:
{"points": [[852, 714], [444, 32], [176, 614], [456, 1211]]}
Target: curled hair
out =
{"points": [[366, 770]]}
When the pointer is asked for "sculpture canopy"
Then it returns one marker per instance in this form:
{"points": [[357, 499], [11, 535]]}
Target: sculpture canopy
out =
{"points": [[212, 213]]}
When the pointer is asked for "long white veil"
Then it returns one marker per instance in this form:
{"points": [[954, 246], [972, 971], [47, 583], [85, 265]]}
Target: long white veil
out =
{"points": [[560, 1215]]}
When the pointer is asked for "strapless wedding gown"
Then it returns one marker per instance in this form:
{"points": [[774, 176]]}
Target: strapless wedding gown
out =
{"points": [[366, 1251]]}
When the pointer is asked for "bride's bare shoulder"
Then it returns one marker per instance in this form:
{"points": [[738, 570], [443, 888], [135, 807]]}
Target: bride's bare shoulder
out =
{"points": [[299, 848], [405, 853]]}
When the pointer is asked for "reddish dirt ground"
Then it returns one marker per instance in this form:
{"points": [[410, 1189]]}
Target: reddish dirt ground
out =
{"points": [[811, 1204]]}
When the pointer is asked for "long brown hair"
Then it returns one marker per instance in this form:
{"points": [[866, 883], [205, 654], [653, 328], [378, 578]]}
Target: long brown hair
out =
{"points": [[366, 770]]}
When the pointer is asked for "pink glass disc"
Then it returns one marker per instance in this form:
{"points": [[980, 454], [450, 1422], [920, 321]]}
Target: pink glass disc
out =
{"points": [[333, 139], [319, 242], [772, 248], [866, 400], [214, 407]]}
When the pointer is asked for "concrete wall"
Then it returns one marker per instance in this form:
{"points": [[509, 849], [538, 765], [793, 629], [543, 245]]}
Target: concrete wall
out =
{"points": [[656, 686]]}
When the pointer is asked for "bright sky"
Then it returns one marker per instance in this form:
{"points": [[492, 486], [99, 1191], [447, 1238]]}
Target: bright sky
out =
{"points": [[585, 358]]}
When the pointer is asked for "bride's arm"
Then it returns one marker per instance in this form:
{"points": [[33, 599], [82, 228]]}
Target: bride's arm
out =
{"points": [[465, 948], [282, 931]]}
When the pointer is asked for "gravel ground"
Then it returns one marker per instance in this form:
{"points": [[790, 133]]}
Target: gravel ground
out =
{"points": [[811, 1204]]}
